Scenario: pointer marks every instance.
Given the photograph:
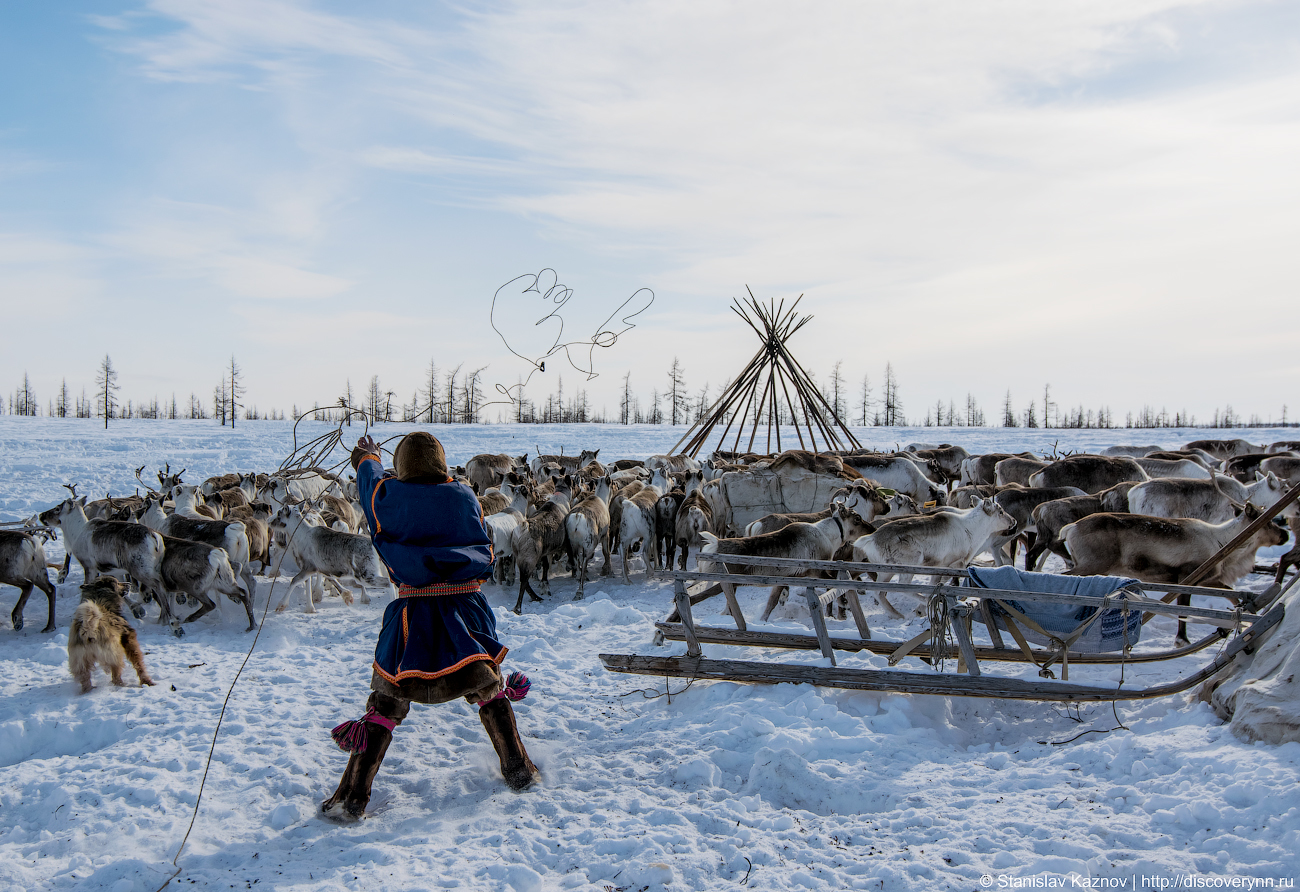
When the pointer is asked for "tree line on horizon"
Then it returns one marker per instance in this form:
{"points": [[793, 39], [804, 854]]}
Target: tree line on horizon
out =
{"points": [[458, 396]]}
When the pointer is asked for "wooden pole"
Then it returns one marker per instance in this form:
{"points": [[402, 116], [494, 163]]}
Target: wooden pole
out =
{"points": [[795, 416], [1266, 517]]}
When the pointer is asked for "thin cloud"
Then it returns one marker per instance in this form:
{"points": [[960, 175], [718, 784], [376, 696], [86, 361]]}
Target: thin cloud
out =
{"points": [[1039, 174]]}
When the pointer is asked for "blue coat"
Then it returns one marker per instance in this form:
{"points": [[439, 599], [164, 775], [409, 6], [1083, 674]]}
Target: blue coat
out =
{"points": [[425, 532]]}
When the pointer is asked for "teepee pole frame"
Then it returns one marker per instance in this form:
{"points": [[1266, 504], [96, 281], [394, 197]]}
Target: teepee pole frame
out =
{"points": [[772, 367]]}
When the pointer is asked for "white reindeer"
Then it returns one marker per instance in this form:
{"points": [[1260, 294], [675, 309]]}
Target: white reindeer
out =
{"points": [[946, 539]]}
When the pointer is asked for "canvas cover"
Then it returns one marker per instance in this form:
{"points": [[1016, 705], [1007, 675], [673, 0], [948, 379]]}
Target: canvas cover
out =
{"points": [[1109, 633], [752, 494]]}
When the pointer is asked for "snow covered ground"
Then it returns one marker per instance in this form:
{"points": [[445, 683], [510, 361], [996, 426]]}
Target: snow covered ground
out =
{"points": [[726, 785]]}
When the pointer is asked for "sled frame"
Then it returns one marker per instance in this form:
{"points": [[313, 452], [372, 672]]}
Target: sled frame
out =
{"points": [[962, 605]]}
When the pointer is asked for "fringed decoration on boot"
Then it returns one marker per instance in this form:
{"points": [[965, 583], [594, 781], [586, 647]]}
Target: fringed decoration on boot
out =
{"points": [[517, 686], [352, 737], [516, 689]]}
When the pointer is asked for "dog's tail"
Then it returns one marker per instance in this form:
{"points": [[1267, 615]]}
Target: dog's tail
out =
{"points": [[89, 624]]}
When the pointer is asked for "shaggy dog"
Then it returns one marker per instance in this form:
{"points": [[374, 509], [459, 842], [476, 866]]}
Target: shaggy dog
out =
{"points": [[100, 634]]}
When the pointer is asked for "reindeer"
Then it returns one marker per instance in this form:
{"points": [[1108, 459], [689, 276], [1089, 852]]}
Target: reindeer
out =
{"points": [[567, 463], [666, 510], [281, 490], [107, 508], [805, 541], [1020, 504], [637, 526], [103, 545], [586, 526], [1177, 467], [1204, 459], [189, 502], [214, 485], [256, 519], [319, 549], [339, 513], [1285, 467], [816, 462], [979, 470], [1158, 549], [22, 564], [944, 461], [199, 570], [486, 471], [1050, 518], [1016, 470], [1213, 501], [535, 543], [864, 498], [899, 474], [1130, 451], [1091, 473], [965, 496], [231, 536], [493, 501], [501, 527], [694, 519], [226, 500], [166, 479], [1224, 449], [946, 539]]}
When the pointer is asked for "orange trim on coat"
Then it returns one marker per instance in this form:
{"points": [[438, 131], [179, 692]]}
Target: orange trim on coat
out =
{"points": [[415, 673], [378, 526]]}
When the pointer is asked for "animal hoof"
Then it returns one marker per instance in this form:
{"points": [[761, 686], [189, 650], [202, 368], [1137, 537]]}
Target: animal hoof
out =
{"points": [[578, 596], [180, 598], [138, 611], [178, 632], [18, 625], [339, 811]]}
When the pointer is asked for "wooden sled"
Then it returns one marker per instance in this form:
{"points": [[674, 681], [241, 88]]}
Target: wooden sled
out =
{"points": [[960, 606]]}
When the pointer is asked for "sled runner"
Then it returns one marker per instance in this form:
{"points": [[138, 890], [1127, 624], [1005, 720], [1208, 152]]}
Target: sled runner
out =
{"points": [[1081, 620]]}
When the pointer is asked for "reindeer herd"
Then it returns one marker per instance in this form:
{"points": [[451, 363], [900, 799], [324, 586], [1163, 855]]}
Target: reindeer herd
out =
{"points": [[1134, 511]]}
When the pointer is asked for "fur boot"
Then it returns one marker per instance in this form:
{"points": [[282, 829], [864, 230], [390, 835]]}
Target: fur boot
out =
{"points": [[498, 717], [353, 793]]}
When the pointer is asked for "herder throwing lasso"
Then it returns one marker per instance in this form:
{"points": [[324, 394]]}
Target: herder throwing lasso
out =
{"points": [[439, 640]]}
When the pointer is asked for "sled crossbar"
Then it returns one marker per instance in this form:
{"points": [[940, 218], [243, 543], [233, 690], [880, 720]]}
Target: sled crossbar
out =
{"points": [[858, 567], [1224, 618]]}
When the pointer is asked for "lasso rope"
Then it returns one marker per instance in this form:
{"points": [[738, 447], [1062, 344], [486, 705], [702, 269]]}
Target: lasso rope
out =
{"points": [[212, 748]]}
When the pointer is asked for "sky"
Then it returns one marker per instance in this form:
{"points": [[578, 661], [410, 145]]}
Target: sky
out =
{"points": [[1100, 196]]}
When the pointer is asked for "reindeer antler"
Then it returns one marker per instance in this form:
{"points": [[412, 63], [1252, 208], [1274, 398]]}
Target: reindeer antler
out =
{"points": [[1214, 479], [138, 472], [72, 488]]}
